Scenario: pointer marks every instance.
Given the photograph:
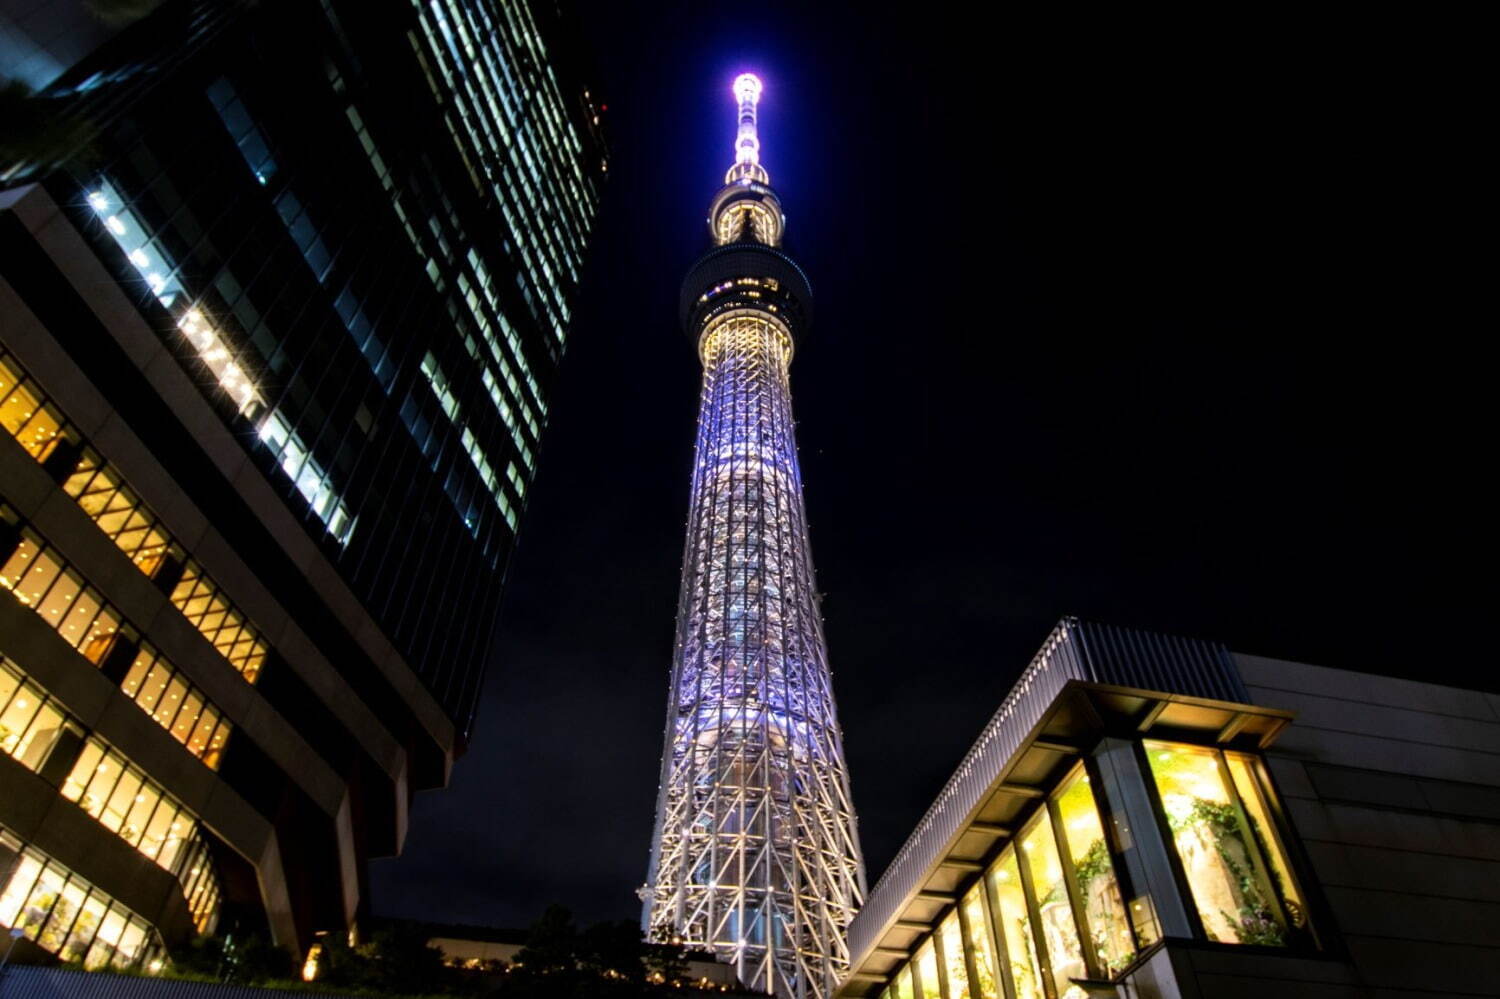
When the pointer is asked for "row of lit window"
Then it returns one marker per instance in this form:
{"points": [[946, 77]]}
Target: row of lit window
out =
{"points": [[102, 782], [365, 342], [230, 373], [65, 915], [506, 414], [486, 284], [122, 516], [132, 805], [1049, 912], [520, 233], [160, 690], [38, 577], [555, 121], [480, 66], [439, 385], [125, 519]]}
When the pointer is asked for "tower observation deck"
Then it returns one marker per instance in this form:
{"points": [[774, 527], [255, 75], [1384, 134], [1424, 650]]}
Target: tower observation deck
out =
{"points": [[755, 854]]}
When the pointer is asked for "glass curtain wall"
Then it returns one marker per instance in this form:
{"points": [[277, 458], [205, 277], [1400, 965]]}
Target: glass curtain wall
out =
{"points": [[1049, 910]]}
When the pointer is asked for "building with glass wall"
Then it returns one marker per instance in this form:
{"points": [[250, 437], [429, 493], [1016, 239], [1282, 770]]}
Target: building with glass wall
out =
{"points": [[1153, 817], [280, 315]]}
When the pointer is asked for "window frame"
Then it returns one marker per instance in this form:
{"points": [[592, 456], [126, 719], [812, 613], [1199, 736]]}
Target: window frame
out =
{"points": [[1298, 941]]}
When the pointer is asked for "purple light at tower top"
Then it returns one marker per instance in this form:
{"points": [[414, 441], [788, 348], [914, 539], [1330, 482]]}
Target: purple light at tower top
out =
{"points": [[747, 86]]}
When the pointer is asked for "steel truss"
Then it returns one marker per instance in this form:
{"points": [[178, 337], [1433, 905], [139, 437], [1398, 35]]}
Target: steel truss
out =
{"points": [[756, 854]]}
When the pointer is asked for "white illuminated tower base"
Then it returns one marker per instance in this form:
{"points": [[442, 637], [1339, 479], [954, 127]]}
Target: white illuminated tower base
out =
{"points": [[756, 855]]}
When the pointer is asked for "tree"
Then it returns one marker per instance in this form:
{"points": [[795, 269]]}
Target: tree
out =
{"points": [[613, 949], [244, 958], [551, 944]]}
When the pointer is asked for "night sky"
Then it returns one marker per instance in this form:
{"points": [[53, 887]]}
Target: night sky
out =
{"points": [[1163, 324]]}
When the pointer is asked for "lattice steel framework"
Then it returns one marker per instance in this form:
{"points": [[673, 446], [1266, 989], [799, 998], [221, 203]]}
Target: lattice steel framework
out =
{"points": [[756, 853]]}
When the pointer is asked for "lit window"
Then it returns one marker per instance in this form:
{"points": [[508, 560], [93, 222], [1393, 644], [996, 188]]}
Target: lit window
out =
{"points": [[29, 721], [67, 916], [154, 267], [1049, 892], [976, 917], [24, 413], [927, 973], [1103, 910], [1013, 919], [955, 971], [901, 987], [1224, 850]]}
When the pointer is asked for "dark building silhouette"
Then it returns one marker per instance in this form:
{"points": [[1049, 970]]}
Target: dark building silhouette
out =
{"points": [[285, 288]]}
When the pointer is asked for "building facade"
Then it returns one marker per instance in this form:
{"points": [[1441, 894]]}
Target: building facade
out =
{"points": [[756, 854], [1152, 817], [278, 329]]}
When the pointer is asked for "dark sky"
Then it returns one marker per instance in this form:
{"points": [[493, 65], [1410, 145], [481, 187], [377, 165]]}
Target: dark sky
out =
{"points": [[1166, 324]]}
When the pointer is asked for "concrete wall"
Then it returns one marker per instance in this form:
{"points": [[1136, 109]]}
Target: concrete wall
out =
{"points": [[1393, 787]]}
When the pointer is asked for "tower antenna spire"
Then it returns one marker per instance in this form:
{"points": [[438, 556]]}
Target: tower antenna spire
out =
{"points": [[747, 88], [746, 209]]}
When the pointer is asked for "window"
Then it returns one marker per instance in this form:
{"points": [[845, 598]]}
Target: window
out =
{"points": [[955, 971], [1048, 910], [160, 691], [1087, 852], [976, 918], [1013, 923], [37, 576], [24, 414], [1235, 865], [1042, 874], [125, 519], [30, 722], [927, 973], [66, 915], [130, 804], [901, 988]]}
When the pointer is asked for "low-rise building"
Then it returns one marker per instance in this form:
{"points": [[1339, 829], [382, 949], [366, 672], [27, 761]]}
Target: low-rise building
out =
{"points": [[1154, 817]]}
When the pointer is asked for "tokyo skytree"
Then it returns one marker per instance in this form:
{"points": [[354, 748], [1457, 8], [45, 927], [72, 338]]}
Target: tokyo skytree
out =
{"points": [[755, 854]]}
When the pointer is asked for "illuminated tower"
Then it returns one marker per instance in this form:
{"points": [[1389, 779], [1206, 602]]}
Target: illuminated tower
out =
{"points": [[755, 853]]}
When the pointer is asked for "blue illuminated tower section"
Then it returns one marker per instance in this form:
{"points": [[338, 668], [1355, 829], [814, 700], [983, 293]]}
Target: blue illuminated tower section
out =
{"points": [[756, 854]]}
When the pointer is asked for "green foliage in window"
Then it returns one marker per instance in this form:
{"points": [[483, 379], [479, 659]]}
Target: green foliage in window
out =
{"points": [[1255, 922]]}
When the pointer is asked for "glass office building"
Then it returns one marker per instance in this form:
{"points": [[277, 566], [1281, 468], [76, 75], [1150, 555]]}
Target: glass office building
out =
{"points": [[279, 324], [1153, 816]]}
